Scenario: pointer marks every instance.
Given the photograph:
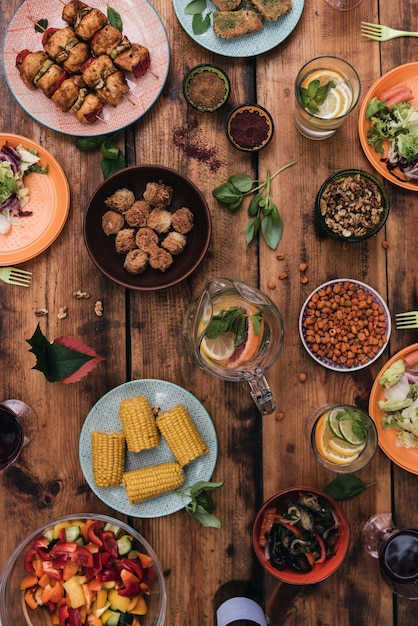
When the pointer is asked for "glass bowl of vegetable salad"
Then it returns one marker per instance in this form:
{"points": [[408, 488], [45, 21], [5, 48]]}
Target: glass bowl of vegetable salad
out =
{"points": [[301, 536], [79, 569]]}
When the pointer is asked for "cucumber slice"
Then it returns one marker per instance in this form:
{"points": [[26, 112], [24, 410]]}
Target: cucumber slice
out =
{"points": [[124, 544], [72, 533], [111, 618], [115, 529], [125, 618], [49, 534]]}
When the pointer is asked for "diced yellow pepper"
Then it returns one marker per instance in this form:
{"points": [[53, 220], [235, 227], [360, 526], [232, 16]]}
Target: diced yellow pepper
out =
{"points": [[74, 592], [59, 527], [101, 598], [120, 603], [140, 607]]}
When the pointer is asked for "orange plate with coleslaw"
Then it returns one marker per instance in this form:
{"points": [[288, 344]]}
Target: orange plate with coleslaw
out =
{"points": [[404, 75], [407, 458], [49, 201]]}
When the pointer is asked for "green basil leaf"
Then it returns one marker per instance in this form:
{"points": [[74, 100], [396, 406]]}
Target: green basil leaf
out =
{"points": [[111, 166], [233, 206], [195, 6], [204, 518], [200, 24], [227, 194], [252, 229], [110, 150], [203, 485], [272, 231], [88, 144], [345, 487], [114, 18], [253, 207], [242, 182]]}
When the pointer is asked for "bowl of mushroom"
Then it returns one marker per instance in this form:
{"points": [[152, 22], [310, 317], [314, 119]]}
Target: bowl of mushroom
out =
{"points": [[147, 227], [352, 205]]}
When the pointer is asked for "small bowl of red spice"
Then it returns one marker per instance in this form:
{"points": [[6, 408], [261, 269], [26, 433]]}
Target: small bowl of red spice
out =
{"points": [[249, 127], [206, 87]]}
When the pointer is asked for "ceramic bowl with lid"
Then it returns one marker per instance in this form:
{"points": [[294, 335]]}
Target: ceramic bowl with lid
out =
{"points": [[352, 205], [249, 127], [206, 87]]}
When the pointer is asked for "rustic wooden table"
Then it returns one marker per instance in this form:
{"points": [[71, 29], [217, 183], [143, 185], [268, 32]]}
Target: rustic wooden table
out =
{"points": [[139, 333]]}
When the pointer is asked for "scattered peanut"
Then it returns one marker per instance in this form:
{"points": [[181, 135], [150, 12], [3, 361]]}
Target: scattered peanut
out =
{"points": [[345, 324], [385, 244], [62, 313], [98, 308], [302, 377], [81, 295], [271, 285], [282, 276], [279, 416], [41, 312], [302, 267], [280, 256]]}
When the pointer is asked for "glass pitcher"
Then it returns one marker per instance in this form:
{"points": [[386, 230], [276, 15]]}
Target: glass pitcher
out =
{"points": [[235, 332]]}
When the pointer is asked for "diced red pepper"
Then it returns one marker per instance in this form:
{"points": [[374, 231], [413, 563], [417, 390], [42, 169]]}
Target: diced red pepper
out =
{"points": [[322, 549], [94, 531], [132, 565], [74, 618], [47, 34], [109, 542], [63, 615], [82, 556], [52, 571], [63, 548]]}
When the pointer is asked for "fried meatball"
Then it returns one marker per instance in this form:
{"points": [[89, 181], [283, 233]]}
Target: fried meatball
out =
{"points": [[174, 242], [182, 220], [136, 261], [160, 259], [158, 194], [159, 220], [112, 222], [146, 239], [138, 213], [121, 200], [125, 240]]}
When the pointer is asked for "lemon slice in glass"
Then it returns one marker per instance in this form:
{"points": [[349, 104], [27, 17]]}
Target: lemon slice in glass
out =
{"points": [[341, 459], [332, 106], [344, 448], [219, 349]]}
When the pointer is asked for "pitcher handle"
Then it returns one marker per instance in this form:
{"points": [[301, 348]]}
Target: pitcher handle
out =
{"points": [[262, 395]]}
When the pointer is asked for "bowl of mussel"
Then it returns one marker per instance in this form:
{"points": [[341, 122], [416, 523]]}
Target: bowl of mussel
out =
{"points": [[352, 205], [81, 567], [147, 227], [301, 536]]}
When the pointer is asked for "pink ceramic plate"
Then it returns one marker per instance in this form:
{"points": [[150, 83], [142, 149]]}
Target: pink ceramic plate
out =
{"points": [[141, 24]]}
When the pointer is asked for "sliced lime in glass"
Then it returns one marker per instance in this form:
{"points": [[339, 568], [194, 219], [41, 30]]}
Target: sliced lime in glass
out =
{"points": [[353, 431], [334, 418]]}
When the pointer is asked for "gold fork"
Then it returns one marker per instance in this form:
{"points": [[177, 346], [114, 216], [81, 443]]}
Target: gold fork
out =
{"points": [[407, 320], [383, 33], [14, 276]]}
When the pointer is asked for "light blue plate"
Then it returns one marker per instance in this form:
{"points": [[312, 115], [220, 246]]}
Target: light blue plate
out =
{"points": [[271, 35], [105, 416]]}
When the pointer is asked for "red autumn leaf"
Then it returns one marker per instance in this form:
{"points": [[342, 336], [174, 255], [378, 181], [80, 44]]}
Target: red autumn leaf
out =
{"points": [[79, 346]]}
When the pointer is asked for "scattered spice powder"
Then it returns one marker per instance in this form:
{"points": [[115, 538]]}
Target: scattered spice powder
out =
{"points": [[206, 90], [194, 145], [249, 129]]}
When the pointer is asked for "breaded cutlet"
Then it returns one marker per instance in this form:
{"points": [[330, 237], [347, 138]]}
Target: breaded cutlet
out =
{"points": [[229, 24], [272, 9], [227, 5]]}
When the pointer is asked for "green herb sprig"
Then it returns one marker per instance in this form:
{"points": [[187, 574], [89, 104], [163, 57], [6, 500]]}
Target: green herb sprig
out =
{"points": [[262, 210], [233, 320], [113, 158], [346, 486], [201, 505], [314, 94], [200, 22]]}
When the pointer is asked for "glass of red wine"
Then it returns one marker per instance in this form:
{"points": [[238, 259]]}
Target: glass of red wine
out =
{"points": [[18, 425], [397, 552]]}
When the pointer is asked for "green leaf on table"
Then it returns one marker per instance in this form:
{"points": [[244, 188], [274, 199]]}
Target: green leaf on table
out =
{"points": [[65, 359], [272, 230], [88, 144], [111, 166], [242, 182], [113, 159], [200, 23], [346, 486], [227, 193], [201, 505], [114, 18], [252, 228]]}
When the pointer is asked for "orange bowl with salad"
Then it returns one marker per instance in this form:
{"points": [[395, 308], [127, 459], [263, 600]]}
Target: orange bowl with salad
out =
{"points": [[301, 536], [85, 568]]}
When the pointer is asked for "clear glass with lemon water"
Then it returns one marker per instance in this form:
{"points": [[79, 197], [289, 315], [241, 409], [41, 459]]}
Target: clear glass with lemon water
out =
{"points": [[235, 332], [326, 90], [343, 437]]}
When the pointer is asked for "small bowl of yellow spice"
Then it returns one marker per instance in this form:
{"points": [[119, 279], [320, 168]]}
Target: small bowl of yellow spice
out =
{"points": [[206, 87]]}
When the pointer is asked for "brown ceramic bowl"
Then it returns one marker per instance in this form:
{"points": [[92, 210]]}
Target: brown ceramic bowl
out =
{"points": [[244, 127], [341, 541], [102, 249]]}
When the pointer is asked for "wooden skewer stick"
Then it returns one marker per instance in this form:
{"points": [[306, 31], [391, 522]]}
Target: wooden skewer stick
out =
{"points": [[152, 73]]}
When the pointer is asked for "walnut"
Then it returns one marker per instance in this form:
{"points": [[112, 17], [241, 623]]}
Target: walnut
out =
{"points": [[98, 308], [62, 313]]}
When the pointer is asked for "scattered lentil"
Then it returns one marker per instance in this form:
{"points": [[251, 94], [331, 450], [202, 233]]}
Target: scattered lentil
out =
{"points": [[279, 416], [271, 285], [304, 279], [302, 377], [282, 276], [385, 244], [302, 267], [280, 256]]}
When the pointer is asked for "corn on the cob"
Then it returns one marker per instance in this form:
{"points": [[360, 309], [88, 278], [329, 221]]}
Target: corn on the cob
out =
{"points": [[152, 481], [138, 424], [108, 457], [181, 434]]}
